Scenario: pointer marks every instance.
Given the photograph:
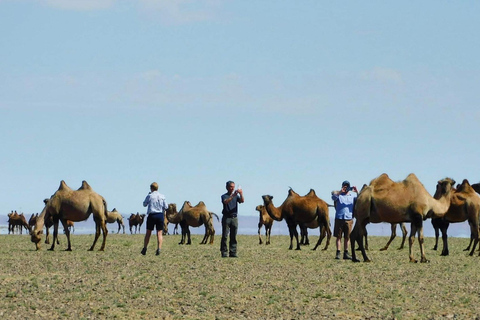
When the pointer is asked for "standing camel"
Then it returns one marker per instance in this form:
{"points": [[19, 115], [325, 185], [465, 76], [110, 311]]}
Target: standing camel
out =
{"points": [[407, 201], [190, 216], [136, 220], [464, 206], [19, 221], [296, 209], [74, 205], [264, 220], [115, 216]]}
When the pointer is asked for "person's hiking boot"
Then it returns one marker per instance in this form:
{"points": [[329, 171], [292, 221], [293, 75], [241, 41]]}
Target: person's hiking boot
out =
{"points": [[346, 256], [233, 255], [338, 255], [224, 255], [144, 251], [157, 253]]}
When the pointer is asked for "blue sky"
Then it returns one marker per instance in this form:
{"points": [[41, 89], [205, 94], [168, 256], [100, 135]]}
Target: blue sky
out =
{"points": [[270, 94]]}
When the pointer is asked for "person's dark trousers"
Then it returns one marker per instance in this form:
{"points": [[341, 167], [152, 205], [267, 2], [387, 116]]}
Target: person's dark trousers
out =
{"points": [[229, 226]]}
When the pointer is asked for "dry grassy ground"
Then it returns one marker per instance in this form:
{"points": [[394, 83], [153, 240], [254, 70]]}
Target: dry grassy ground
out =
{"points": [[265, 282]]}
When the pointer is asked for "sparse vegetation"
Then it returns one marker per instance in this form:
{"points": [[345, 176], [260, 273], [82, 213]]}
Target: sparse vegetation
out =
{"points": [[269, 282]]}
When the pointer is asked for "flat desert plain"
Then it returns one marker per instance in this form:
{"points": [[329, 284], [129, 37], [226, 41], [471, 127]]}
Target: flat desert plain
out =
{"points": [[265, 282]]}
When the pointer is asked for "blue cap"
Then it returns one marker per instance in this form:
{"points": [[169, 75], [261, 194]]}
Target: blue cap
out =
{"points": [[346, 183]]}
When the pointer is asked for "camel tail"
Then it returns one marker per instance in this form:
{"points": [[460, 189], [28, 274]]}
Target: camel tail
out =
{"points": [[330, 205], [213, 213]]}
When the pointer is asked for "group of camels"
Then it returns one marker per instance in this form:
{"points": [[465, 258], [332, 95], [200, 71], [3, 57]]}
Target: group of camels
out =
{"points": [[383, 200], [67, 206]]}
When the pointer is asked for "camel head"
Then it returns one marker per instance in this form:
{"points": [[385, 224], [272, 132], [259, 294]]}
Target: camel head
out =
{"points": [[444, 187], [259, 208], [267, 199]]}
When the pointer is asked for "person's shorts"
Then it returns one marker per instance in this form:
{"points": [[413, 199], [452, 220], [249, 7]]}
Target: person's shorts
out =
{"points": [[342, 227], [155, 220]]}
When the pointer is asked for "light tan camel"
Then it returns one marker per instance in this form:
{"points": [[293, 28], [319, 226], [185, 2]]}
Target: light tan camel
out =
{"points": [[18, 221], [136, 220], [264, 220], [74, 205], [394, 202], [297, 209], [190, 216], [464, 206], [115, 216]]}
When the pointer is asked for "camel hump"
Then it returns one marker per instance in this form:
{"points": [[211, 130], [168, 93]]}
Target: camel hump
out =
{"points": [[63, 186], [291, 192], [85, 186], [201, 204], [114, 210]]}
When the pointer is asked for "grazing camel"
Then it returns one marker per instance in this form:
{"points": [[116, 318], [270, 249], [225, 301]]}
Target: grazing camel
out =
{"points": [[115, 216], [17, 220], [190, 216], [297, 209], [264, 220], [406, 201], [464, 206], [74, 205], [136, 220]]}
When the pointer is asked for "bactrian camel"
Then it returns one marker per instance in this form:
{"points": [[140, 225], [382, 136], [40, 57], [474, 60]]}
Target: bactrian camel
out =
{"points": [[19, 221], [74, 205], [136, 220], [190, 216], [115, 216], [264, 220], [384, 200], [464, 206], [297, 209]]}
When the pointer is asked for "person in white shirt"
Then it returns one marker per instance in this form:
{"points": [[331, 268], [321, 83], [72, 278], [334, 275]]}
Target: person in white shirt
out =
{"points": [[156, 206]]}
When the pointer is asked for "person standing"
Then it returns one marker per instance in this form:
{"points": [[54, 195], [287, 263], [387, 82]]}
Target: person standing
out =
{"points": [[156, 206], [344, 203], [230, 201]]}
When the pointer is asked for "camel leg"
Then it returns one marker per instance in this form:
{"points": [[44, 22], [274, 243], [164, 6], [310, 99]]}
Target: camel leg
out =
{"points": [[55, 234], [411, 241], [421, 241], [67, 233], [357, 235], [259, 233], [404, 234], [443, 229], [189, 240], [329, 236], [393, 234], [268, 230], [212, 234], [103, 226], [97, 234], [474, 234]]}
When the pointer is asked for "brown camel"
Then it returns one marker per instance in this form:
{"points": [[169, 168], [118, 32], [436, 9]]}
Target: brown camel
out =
{"points": [[190, 216], [18, 221], [32, 220], [115, 216], [264, 220], [394, 202], [136, 220], [74, 205], [464, 206], [297, 209]]}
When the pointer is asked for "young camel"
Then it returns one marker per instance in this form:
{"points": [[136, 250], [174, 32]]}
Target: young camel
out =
{"points": [[264, 220], [465, 206], [407, 201], [74, 205], [296, 209]]}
